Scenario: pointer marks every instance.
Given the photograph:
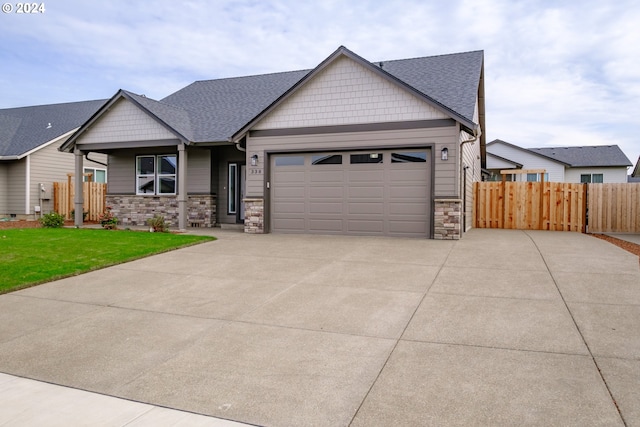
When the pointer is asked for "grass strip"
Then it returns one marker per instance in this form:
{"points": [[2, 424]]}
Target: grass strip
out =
{"points": [[29, 256]]}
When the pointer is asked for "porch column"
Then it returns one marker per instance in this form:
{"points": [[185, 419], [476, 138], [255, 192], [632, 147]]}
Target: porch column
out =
{"points": [[78, 198], [182, 187]]}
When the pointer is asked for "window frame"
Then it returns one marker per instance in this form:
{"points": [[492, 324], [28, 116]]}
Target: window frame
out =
{"points": [[232, 176], [94, 171], [157, 175]]}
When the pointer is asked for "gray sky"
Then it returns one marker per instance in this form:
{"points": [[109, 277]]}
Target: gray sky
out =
{"points": [[556, 72]]}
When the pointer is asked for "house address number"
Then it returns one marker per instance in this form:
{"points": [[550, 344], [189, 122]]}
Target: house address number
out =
{"points": [[255, 171]]}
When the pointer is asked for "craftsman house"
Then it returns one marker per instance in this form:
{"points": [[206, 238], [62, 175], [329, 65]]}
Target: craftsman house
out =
{"points": [[349, 147], [29, 158], [585, 164]]}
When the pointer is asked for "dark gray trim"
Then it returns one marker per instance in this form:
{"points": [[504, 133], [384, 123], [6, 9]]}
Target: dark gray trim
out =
{"points": [[128, 144], [364, 127]]}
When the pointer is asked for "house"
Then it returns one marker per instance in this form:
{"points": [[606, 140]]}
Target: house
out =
{"points": [[29, 158], [349, 147], [635, 174], [601, 163]]}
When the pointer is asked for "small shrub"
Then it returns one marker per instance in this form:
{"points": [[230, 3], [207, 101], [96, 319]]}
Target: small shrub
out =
{"points": [[158, 224], [52, 220], [108, 220]]}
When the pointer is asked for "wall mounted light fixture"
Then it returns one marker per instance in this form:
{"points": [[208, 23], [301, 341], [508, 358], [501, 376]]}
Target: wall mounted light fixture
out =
{"points": [[444, 154], [254, 160]]}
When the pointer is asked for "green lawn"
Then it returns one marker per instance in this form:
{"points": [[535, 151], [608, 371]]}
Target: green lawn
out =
{"points": [[29, 256]]}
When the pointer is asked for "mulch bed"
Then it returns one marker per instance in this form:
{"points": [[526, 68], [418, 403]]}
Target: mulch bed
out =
{"points": [[628, 246], [30, 224]]}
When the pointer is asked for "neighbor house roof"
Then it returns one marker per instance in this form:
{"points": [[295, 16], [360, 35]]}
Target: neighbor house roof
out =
{"points": [[525, 150], [636, 170], [586, 156], [215, 110], [24, 129]]}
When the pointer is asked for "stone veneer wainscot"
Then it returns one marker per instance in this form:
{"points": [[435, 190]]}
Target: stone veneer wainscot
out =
{"points": [[135, 210], [254, 216], [446, 219]]}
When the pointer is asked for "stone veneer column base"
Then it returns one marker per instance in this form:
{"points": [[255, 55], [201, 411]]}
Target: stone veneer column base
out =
{"points": [[133, 210], [254, 216], [446, 219]]}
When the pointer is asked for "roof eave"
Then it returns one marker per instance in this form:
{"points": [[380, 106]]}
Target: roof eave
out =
{"points": [[69, 145]]}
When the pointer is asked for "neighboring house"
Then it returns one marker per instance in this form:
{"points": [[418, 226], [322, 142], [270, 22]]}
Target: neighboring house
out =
{"points": [[349, 147], [635, 174], [29, 157], [592, 164]]}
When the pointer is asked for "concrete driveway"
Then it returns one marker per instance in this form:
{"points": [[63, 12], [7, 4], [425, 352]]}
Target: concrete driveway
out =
{"points": [[502, 327]]}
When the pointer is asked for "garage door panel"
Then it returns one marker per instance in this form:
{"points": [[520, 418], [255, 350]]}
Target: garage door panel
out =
{"points": [[325, 208], [365, 226], [288, 207], [371, 192], [326, 176], [408, 228], [367, 176], [354, 198], [366, 208], [407, 192], [289, 224], [325, 192], [289, 175], [408, 209]]}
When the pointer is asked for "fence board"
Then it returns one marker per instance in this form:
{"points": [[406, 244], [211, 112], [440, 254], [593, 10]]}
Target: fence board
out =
{"points": [[614, 208], [94, 199], [530, 205]]}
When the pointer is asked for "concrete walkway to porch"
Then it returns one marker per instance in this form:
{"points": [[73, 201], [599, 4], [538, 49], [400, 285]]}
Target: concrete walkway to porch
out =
{"points": [[502, 327]]}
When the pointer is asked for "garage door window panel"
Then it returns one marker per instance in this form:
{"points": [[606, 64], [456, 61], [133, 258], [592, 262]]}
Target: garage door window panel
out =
{"points": [[366, 158], [409, 157]]}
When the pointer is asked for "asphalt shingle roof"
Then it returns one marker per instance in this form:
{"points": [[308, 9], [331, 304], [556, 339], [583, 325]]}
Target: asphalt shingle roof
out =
{"points": [[218, 108], [586, 156], [26, 128]]}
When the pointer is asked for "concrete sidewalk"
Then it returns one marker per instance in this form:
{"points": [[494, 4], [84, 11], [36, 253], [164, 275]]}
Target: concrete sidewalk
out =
{"points": [[503, 327]]}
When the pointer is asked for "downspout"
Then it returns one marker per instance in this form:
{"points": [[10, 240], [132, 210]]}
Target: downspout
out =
{"points": [[477, 132], [86, 156]]}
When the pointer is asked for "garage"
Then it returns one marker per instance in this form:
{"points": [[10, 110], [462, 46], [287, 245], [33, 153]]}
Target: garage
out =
{"points": [[373, 192]]}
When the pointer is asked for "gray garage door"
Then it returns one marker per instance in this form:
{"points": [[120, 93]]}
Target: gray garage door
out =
{"points": [[379, 192]]}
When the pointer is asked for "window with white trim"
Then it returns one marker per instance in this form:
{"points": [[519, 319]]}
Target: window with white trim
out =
{"points": [[231, 192], [156, 175]]}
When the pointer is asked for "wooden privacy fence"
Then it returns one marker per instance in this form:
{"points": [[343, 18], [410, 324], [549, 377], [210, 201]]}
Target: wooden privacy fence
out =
{"points": [[530, 205], [94, 199], [614, 208]]}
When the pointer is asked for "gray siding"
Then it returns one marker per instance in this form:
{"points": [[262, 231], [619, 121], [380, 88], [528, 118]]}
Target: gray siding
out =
{"points": [[16, 192], [444, 174], [470, 159], [125, 122], [49, 165], [222, 157], [198, 171], [4, 188]]}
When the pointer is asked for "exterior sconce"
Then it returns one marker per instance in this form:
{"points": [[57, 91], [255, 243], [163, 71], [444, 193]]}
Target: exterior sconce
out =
{"points": [[254, 160], [444, 154]]}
